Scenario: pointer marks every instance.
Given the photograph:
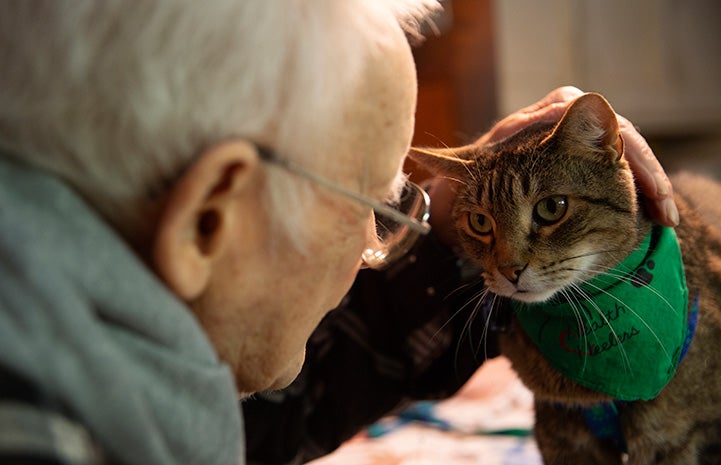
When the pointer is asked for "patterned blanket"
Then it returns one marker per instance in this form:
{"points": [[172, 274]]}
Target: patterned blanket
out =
{"points": [[488, 422]]}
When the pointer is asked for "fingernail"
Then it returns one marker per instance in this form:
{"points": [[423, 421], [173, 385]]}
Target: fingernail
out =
{"points": [[671, 211], [661, 184]]}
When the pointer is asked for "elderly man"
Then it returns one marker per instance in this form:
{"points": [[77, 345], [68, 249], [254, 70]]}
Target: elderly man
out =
{"points": [[186, 189]]}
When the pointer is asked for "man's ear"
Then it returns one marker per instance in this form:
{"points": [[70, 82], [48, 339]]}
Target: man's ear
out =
{"points": [[192, 228]]}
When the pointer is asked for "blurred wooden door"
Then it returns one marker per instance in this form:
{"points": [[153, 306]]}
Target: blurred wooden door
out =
{"points": [[456, 84]]}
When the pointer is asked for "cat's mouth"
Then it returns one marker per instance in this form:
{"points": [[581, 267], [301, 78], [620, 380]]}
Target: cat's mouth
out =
{"points": [[529, 296], [525, 295], [524, 290], [521, 293]]}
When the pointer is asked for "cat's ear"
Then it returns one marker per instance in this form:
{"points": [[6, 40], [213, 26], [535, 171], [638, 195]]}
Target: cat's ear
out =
{"points": [[590, 122], [451, 162]]}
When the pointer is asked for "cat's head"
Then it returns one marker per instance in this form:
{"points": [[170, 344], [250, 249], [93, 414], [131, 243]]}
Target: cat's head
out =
{"points": [[548, 207]]}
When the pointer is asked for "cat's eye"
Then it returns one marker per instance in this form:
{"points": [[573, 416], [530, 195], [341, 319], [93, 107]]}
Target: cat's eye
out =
{"points": [[550, 210], [480, 223]]}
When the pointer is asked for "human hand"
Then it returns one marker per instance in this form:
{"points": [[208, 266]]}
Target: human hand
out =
{"points": [[549, 108], [650, 176]]}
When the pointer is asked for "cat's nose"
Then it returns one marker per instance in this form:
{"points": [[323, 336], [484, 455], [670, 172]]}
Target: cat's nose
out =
{"points": [[513, 272]]}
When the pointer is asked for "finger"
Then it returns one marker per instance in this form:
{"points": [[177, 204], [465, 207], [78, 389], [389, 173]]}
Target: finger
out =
{"points": [[558, 95], [650, 176], [549, 108], [648, 170], [510, 125], [663, 212]]}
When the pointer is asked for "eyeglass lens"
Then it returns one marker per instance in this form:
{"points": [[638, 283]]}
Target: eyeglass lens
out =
{"points": [[392, 239]]}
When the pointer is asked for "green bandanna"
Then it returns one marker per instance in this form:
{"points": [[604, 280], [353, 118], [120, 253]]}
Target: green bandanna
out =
{"points": [[623, 332]]}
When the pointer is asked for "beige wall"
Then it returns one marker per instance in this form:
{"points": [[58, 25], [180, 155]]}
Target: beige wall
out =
{"points": [[658, 61]]}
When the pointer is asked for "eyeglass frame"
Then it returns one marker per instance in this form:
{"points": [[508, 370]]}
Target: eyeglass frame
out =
{"points": [[420, 227]]}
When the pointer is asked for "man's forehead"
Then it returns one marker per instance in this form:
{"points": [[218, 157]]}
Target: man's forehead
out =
{"points": [[381, 111]]}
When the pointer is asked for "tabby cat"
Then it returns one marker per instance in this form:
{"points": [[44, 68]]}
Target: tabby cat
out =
{"points": [[620, 346]]}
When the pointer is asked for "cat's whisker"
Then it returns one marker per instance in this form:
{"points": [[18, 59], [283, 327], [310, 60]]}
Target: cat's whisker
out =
{"points": [[653, 333], [642, 285], [439, 140], [579, 320], [616, 275], [587, 254], [486, 326], [479, 299], [577, 307], [466, 286], [594, 305], [478, 296], [617, 258], [469, 321], [554, 268], [456, 180]]}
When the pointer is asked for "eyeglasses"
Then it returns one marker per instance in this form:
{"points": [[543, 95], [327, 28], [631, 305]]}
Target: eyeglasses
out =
{"points": [[397, 226]]}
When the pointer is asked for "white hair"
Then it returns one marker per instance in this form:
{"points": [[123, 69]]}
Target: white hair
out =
{"points": [[117, 97]]}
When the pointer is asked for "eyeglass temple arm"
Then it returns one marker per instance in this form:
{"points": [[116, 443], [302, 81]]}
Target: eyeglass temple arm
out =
{"points": [[417, 226]]}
